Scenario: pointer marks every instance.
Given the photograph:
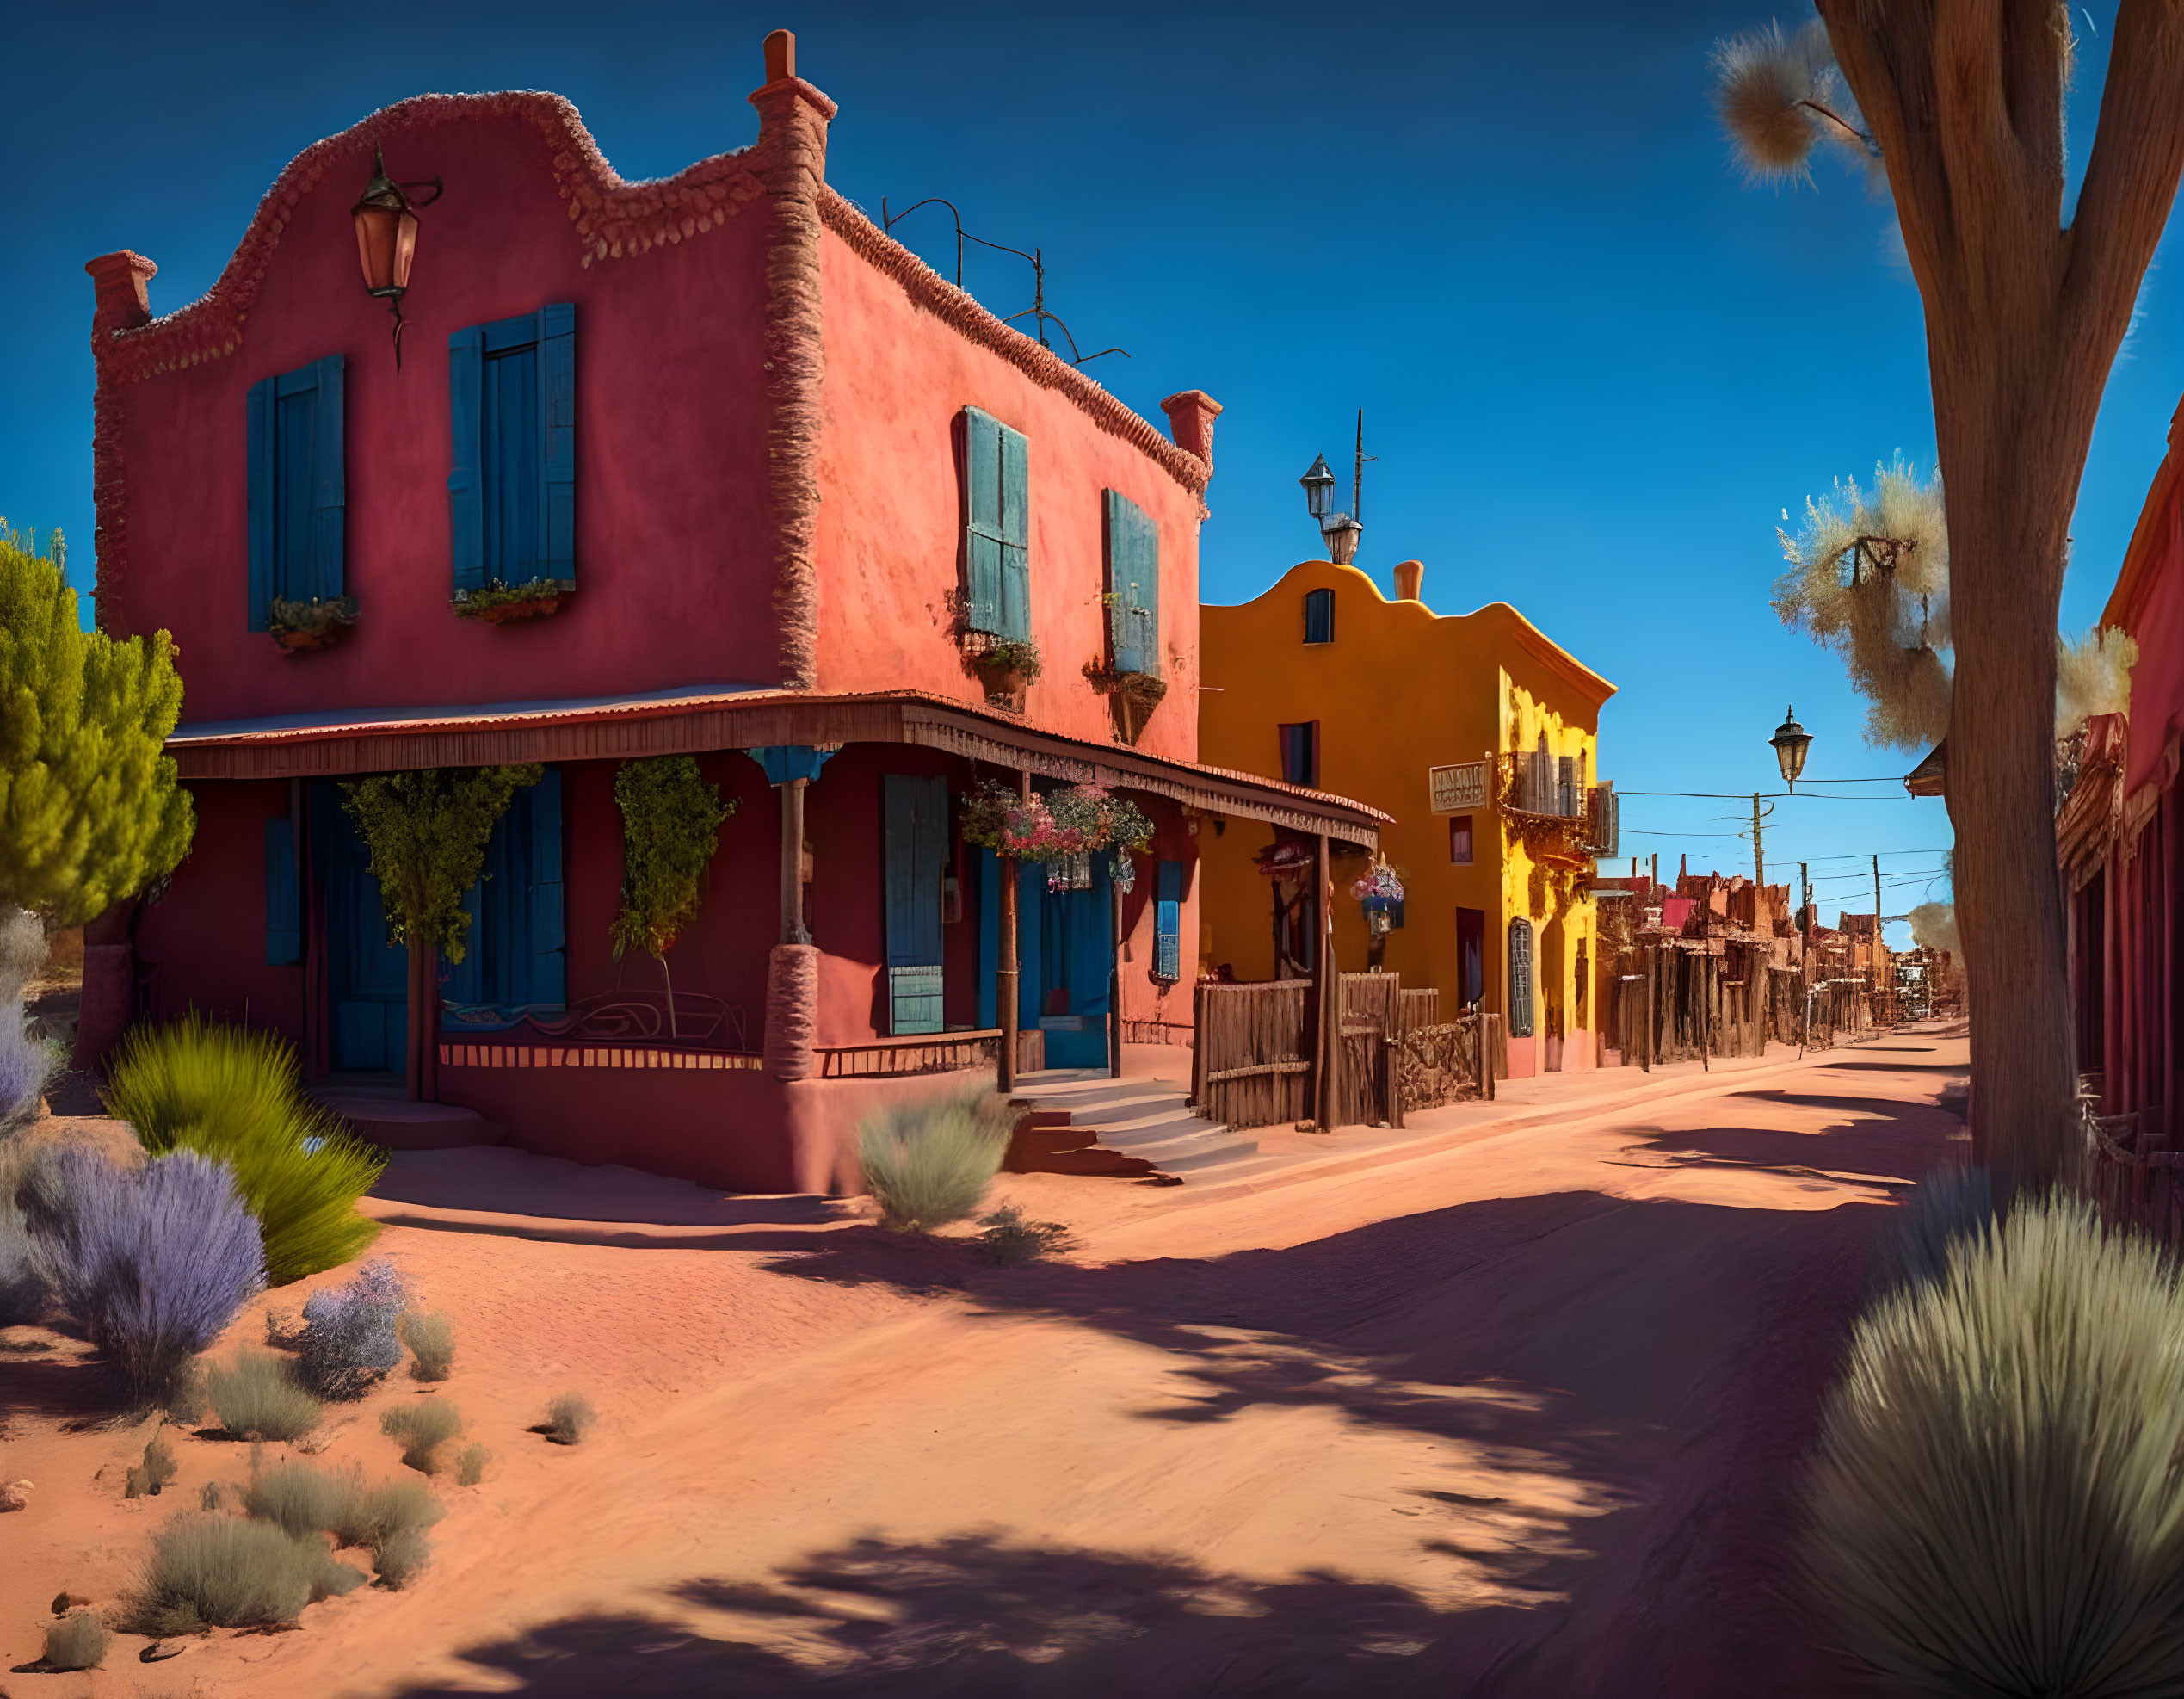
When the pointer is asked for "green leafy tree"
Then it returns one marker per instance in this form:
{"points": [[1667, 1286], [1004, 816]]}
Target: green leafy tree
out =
{"points": [[671, 820], [90, 809], [426, 834]]}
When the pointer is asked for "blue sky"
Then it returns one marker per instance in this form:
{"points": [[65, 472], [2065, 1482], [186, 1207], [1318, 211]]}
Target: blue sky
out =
{"points": [[1594, 366]]}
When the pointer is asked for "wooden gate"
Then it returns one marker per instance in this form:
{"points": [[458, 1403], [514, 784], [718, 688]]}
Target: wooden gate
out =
{"points": [[1251, 1062]]}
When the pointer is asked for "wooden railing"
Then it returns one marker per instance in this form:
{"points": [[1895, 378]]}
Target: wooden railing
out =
{"points": [[2134, 1180], [928, 1053]]}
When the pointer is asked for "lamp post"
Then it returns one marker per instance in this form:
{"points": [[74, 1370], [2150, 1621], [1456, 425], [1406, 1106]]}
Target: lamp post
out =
{"points": [[1339, 531], [1791, 741], [386, 237]]}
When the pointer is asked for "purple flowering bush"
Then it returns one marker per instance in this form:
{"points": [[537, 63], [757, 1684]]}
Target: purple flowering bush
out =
{"points": [[349, 1338], [151, 1262]]}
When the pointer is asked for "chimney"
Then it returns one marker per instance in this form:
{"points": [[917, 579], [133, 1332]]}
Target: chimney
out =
{"points": [[123, 302], [1410, 576], [1191, 414], [781, 55]]}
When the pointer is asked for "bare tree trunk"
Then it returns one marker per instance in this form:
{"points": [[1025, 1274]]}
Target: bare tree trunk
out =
{"points": [[2024, 315]]}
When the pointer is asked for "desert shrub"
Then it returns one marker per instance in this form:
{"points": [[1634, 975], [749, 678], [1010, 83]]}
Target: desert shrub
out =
{"points": [[233, 1095], [569, 1417], [300, 1499], [400, 1556], [431, 1340], [1012, 1241], [423, 1428], [334, 1579], [369, 1516], [154, 1473], [224, 1573], [186, 1396], [27, 1063], [211, 1497], [1949, 1205], [257, 1393], [24, 1295], [151, 1262], [77, 1641], [1995, 1507], [928, 1163], [348, 1339], [469, 1469]]}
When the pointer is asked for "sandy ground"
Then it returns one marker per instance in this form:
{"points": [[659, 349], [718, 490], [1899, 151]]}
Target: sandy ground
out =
{"points": [[1511, 1406]]}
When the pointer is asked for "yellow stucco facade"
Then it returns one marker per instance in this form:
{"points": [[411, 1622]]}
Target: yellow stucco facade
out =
{"points": [[1393, 690]]}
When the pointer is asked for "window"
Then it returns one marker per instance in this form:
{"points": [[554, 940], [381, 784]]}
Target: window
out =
{"points": [[997, 527], [514, 954], [297, 486], [1301, 753], [283, 895], [512, 489], [1133, 586], [1460, 840], [1319, 616], [1471, 956], [1168, 923], [1519, 978]]}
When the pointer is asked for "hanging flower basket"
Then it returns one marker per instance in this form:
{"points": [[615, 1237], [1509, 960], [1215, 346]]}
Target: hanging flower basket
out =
{"points": [[1054, 829], [500, 604], [1003, 662], [1380, 890], [316, 624]]}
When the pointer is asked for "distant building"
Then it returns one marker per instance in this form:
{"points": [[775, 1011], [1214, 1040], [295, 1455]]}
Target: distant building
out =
{"points": [[1478, 733]]}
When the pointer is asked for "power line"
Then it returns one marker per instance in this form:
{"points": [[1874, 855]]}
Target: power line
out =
{"points": [[1746, 796]]}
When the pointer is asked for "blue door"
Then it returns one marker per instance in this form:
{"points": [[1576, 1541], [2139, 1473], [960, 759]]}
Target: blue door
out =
{"points": [[368, 978], [914, 823], [1065, 957]]}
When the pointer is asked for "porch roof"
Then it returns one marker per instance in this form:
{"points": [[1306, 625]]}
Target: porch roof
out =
{"points": [[694, 718]]}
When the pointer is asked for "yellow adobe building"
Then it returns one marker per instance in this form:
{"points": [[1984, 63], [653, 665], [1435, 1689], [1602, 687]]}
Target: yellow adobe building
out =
{"points": [[1477, 733]]}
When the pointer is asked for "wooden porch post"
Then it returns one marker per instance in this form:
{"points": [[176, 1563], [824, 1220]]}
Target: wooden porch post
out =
{"points": [[1327, 1044], [423, 1070], [793, 930], [1005, 991], [1115, 975]]}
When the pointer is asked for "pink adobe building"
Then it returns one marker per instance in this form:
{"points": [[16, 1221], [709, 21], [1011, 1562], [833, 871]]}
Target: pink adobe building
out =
{"points": [[780, 498]]}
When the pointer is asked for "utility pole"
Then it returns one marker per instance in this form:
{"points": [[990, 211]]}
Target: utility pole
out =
{"points": [[1877, 922], [1759, 855], [1357, 477]]}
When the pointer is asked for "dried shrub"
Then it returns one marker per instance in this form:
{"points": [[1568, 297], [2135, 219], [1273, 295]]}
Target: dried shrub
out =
{"points": [[257, 1395], [154, 1473], [234, 1095], [399, 1557], [334, 1579], [2092, 675], [28, 1063], [431, 1340], [348, 1339], [77, 1641], [1012, 1241], [223, 1573], [928, 1163], [300, 1499], [1997, 1507], [373, 1514], [569, 1417], [186, 1396], [1948, 1208], [25, 1297], [423, 1428], [212, 1496], [469, 1469], [151, 1262]]}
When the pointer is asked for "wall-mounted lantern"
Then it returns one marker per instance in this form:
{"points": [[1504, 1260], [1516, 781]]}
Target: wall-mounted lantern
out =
{"points": [[386, 237], [1319, 488], [1791, 741]]}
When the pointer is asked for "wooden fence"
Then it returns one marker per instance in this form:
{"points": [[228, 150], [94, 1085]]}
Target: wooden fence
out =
{"points": [[936, 1053], [2134, 1182], [1251, 1064]]}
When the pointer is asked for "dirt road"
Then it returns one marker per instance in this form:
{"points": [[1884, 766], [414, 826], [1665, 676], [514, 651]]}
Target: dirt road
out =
{"points": [[1515, 1409]]}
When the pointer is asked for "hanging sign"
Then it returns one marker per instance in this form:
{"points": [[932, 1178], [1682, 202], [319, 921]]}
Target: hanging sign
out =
{"points": [[1458, 788]]}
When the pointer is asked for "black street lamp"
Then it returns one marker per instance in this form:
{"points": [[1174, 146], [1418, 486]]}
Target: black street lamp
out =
{"points": [[1791, 741], [1319, 487]]}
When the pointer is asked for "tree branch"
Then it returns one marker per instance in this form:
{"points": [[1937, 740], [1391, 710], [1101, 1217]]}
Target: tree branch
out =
{"points": [[1886, 62], [2130, 178]]}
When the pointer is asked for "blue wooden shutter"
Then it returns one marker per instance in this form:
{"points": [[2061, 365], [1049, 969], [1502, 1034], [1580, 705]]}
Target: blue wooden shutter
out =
{"points": [[263, 498], [1016, 535], [465, 476], [981, 521], [283, 895], [558, 444], [1133, 586], [549, 969], [915, 830], [1168, 923], [329, 486]]}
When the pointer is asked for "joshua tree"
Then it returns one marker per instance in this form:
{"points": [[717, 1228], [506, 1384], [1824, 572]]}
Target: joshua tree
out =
{"points": [[1959, 103], [670, 830], [425, 833], [90, 811]]}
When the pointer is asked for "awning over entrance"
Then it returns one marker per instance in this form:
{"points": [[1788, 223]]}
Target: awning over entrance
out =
{"points": [[352, 741]]}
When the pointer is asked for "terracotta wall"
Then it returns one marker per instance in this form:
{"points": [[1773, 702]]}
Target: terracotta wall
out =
{"points": [[891, 518], [674, 569]]}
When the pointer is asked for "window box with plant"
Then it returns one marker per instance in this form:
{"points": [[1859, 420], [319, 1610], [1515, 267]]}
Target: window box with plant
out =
{"points": [[316, 624], [500, 604]]}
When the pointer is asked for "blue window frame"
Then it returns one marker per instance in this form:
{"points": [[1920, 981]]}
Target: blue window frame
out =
{"points": [[1168, 923], [512, 485], [997, 527], [514, 956], [1133, 585], [298, 488]]}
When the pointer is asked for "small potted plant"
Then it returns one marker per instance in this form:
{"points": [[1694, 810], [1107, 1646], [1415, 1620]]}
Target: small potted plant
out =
{"points": [[316, 624], [1007, 666], [500, 604]]}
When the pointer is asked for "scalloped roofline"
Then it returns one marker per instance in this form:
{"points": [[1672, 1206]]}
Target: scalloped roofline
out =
{"points": [[1536, 642]]}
